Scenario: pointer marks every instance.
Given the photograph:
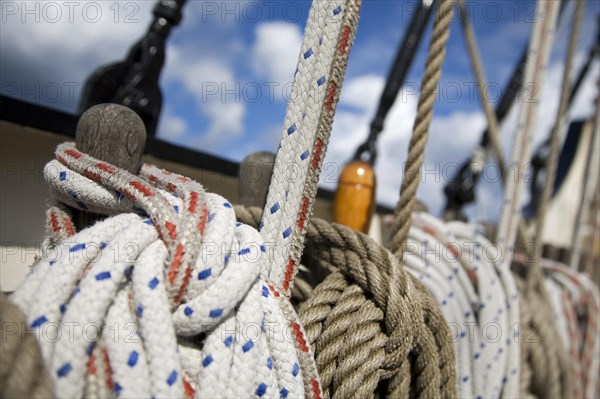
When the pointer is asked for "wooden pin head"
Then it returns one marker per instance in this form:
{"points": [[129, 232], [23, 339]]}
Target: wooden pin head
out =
{"points": [[255, 176], [114, 134]]}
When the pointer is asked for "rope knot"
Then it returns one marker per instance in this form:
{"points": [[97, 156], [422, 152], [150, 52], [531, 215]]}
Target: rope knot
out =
{"points": [[183, 272], [396, 331]]}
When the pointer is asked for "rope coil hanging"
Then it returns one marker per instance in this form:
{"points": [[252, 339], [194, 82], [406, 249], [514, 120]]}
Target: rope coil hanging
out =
{"points": [[576, 307], [478, 298]]}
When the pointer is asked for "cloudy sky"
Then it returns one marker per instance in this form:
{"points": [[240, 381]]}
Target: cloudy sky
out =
{"points": [[230, 64]]}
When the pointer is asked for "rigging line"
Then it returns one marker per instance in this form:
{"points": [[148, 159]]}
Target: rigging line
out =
{"points": [[461, 189], [396, 77], [552, 161], [589, 187], [539, 49], [539, 158]]}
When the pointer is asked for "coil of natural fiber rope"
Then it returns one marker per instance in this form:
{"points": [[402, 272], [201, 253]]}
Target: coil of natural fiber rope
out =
{"points": [[22, 371], [370, 321], [545, 367]]}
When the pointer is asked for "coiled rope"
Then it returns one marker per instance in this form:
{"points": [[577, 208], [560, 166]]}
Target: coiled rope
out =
{"points": [[22, 371], [190, 306], [478, 297], [224, 293], [577, 305]]}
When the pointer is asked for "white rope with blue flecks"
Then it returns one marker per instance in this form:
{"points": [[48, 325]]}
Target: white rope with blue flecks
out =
{"points": [[478, 298], [91, 286], [304, 138], [176, 283]]}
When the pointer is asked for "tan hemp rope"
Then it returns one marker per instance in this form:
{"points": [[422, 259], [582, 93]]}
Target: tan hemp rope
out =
{"points": [[370, 321], [22, 371]]}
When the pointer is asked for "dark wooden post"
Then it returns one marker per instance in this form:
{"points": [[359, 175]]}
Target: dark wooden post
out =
{"points": [[255, 176], [114, 134]]}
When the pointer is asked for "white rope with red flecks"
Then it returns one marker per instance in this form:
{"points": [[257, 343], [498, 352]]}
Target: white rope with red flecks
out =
{"points": [[149, 266], [575, 301], [304, 141]]}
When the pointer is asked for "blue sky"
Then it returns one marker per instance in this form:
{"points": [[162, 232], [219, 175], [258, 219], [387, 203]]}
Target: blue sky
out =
{"points": [[229, 64]]}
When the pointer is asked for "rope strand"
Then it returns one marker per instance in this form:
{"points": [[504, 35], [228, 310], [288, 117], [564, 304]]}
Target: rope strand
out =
{"points": [[416, 150]]}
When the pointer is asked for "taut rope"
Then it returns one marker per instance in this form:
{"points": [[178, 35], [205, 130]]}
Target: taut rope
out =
{"points": [[416, 150]]}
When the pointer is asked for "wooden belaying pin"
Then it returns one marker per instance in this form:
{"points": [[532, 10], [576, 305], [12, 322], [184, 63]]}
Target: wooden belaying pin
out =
{"points": [[255, 176], [355, 196], [114, 134]]}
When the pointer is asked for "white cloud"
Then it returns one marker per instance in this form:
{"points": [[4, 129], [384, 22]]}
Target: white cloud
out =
{"points": [[452, 139], [275, 51], [209, 80], [53, 42], [171, 126]]}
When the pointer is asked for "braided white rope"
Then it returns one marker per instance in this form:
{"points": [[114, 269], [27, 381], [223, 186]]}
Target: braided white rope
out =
{"points": [[224, 300], [212, 300], [579, 305], [305, 133], [478, 298], [537, 59]]}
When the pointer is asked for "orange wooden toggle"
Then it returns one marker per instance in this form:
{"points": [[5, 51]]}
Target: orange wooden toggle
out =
{"points": [[355, 196]]}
